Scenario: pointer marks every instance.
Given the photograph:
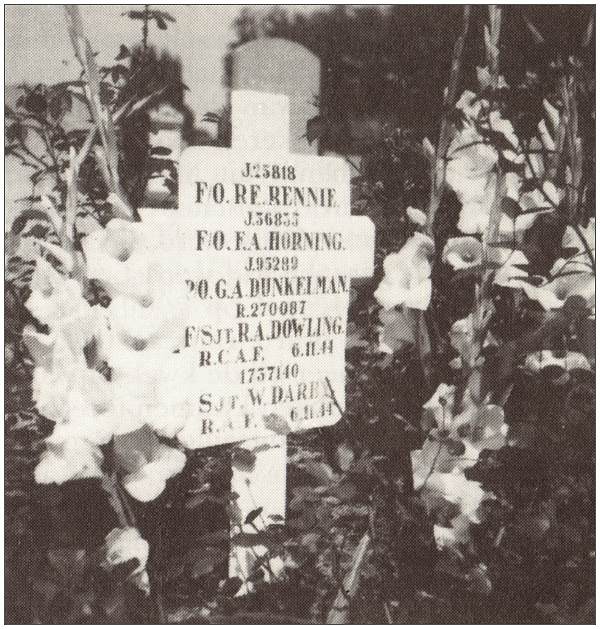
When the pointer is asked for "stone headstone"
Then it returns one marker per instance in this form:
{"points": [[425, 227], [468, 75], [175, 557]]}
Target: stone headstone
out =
{"points": [[281, 66]]}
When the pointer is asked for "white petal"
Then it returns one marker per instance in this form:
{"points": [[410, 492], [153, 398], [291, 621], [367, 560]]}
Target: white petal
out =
{"points": [[143, 487], [419, 295], [418, 217]]}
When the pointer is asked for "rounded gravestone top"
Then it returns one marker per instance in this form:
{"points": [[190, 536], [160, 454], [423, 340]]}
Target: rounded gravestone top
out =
{"points": [[281, 66]]}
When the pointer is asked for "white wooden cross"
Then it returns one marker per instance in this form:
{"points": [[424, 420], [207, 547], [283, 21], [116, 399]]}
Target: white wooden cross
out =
{"points": [[266, 244]]}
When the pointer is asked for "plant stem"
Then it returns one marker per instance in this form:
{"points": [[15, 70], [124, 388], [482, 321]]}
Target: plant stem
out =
{"points": [[438, 169], [145, 27]]}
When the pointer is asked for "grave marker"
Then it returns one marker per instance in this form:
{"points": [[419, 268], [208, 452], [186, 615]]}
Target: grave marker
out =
{"points": [[281, 66], [266, 245]]}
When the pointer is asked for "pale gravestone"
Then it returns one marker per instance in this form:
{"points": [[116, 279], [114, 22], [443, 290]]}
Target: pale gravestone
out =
{"points": [[265, 243], [281, 66]]}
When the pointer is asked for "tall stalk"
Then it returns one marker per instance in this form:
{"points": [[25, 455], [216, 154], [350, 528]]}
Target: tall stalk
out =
{"points": [[438, 166], [145, 22]]}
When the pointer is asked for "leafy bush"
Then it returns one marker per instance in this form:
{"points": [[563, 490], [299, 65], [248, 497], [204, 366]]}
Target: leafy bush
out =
{"points": [[458, 486]]}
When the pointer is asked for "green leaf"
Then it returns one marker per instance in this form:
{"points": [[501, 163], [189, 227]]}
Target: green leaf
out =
{"points": [[316, 128], [160, 22], [277, 424], [320, 471], [45, 589], [345, 456], [535, 33], [158, 151], [243, 460], [511, 208], [202, 561], [575, 307], [124, 53], [114, 606], [276, 518], [346, 492], [568, 252], [534, 280], [253, 515], [175, 568], [68, 562], [164, 15], [135, 15], [398, 328], [230, 587], [506, 244]]}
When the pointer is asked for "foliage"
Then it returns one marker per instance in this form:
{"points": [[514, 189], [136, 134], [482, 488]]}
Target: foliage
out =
{"points": [[157, 75], [380, 62], [458, 486]]}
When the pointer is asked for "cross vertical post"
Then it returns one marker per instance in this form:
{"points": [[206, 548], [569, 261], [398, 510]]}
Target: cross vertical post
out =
{"points": [[264, 242], [259, 121]]}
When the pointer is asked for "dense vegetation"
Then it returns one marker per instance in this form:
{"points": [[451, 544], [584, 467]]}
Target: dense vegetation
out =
{"points": [[458, 486]]}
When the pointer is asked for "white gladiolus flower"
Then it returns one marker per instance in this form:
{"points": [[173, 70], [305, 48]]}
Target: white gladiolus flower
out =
{"points": [[470, 174], [116, 256], [70, 459], [484, 78], [487, 431], [474, 217], [455, 488], [147, 463], [416, 216], [88, 412], [571, 277], [553, 294], [545, 201], [129, 354], [173, 406], [513, 185], [547, 198], [128, 402], [154, 397], [57, 302], [77, 399], [407, 275], [577, 264], [51, 384], [509, 274], [123, 545], [462, 339], [470, 105], [471, 161], [463, 252], [39, 345], [157, 313], [534, 164]]}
